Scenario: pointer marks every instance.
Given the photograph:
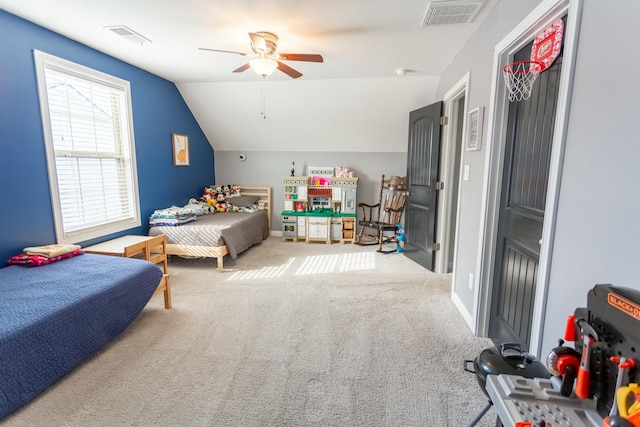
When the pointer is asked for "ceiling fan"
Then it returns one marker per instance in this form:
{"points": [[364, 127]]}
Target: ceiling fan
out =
{"points": [[265, 60]]}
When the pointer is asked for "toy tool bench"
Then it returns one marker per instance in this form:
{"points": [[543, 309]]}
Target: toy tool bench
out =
{"points": [[594, 381]]}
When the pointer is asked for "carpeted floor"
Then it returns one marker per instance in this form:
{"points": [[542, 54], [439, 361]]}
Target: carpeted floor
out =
{"points": [[292, 334]]}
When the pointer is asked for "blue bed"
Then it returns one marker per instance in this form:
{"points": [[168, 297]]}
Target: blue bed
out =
{"points": [[52, 317]]}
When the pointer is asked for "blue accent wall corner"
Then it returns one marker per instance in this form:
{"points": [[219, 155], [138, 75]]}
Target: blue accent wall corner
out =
{"points": [[158, 111]]}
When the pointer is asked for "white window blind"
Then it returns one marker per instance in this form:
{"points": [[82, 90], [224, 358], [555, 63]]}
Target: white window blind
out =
{"points": [[90, 151]]}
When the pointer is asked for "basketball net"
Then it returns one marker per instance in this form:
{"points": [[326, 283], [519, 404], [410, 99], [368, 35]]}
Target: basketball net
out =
{"points": [[519, 78]]}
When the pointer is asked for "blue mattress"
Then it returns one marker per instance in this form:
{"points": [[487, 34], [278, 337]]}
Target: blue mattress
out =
{"points": [[52, 317]]}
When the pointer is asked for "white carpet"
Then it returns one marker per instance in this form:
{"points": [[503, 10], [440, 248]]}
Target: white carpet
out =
{"points": [[292, 334]]}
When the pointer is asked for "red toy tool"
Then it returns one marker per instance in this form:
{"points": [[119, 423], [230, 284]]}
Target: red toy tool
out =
{"points": [[589, 336], [570, 329]]}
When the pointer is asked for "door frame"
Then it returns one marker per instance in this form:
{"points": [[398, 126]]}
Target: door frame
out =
{"points": [[539, 18], [447, 158]]}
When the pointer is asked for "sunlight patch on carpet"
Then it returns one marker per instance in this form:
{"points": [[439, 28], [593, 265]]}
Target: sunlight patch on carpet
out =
{"points": [[318, 264], [262, 273], [321, 264]]}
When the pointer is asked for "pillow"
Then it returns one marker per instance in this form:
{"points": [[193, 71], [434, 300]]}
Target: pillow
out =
{"points": [[38, 260], [243, 201]]}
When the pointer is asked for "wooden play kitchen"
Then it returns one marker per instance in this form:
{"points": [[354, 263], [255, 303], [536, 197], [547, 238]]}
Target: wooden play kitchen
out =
{"points": [[319, 207]]}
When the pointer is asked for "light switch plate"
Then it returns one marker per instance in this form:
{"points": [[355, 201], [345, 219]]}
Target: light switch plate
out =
{"points": [[466, 173]]}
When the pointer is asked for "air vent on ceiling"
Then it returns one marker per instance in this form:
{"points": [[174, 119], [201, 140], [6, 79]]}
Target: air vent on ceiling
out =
{"points": [[129, 34], [451, 12]]}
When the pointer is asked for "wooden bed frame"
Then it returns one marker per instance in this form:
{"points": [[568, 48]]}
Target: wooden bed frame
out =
{"points": [[219, 252]]}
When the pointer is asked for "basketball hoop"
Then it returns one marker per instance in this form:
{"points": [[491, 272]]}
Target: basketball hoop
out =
{"points": [[519, 77]]}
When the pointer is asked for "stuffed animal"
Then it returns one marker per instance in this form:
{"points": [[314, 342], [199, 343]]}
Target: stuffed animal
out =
{"points": [[217, 203], [400, 236], [207, 195], [221, 207], [226, 189]]}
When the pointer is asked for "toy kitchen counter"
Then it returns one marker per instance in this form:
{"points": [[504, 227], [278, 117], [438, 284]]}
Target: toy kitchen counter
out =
{"points": [[321, 225], [319, 207]]}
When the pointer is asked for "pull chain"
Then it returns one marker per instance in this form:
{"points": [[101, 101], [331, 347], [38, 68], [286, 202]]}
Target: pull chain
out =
{"points": [[263, 99]]}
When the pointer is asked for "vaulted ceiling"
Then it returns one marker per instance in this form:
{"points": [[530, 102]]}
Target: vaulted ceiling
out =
{"points": [[357, 38], [353, 101]]}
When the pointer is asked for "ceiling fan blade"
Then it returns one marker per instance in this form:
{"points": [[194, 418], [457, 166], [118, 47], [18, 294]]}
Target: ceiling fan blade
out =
{"points": [[294, 74], [301, 57], [223, 51], [245, 67]]}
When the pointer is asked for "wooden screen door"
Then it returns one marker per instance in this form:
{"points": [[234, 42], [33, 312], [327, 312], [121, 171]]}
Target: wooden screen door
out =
{"points": [[423, 158], [524, 192]]}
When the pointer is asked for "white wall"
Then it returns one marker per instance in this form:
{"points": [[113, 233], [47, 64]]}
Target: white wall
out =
{"points": [[357, 115]]}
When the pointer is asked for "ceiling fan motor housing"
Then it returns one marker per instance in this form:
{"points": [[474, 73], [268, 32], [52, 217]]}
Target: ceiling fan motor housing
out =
{"points": [[264, 42]]}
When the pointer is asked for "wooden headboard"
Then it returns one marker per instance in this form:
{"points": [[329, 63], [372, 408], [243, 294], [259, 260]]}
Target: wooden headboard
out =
{"points": [[265, 197]]}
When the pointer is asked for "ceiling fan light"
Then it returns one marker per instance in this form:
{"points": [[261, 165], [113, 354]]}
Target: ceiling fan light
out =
{"points": [[263, 67]]}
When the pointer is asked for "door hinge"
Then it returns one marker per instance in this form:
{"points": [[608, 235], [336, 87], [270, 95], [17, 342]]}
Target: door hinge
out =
{"points": [[439, 185], [436, 246], [444, 120]]}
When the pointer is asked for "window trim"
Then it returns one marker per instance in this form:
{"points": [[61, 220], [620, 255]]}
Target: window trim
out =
{"points": [[42, 61]]}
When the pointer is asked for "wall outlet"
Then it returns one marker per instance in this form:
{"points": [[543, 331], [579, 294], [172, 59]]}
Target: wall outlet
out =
{"points": [[471, 281]]}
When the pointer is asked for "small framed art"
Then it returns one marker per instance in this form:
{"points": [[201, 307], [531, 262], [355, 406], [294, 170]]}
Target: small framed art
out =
{"points": [[180, 149], [474, 129]]}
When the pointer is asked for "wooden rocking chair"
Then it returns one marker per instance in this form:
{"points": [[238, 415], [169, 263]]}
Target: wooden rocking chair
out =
{"points": [[380, 222]]}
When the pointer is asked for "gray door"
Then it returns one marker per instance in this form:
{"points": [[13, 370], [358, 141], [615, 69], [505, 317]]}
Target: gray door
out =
{"points": [[523, 197], [423, 158]]}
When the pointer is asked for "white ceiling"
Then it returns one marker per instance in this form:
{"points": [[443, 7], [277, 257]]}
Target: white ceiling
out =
{"points": [[357, 38]]}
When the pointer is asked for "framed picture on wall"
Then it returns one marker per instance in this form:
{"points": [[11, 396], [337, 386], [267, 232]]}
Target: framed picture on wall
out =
{"points": [[180, 149], [474, 129]]}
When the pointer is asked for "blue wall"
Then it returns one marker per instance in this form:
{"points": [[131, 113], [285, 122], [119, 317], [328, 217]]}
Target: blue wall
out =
{"points": [[26, 217]]}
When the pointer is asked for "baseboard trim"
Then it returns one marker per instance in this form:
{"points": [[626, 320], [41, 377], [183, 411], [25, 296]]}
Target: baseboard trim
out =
{"points": [[468, 318]]}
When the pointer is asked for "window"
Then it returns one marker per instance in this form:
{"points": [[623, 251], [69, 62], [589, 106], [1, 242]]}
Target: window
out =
{"points": [[88, 130]]}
